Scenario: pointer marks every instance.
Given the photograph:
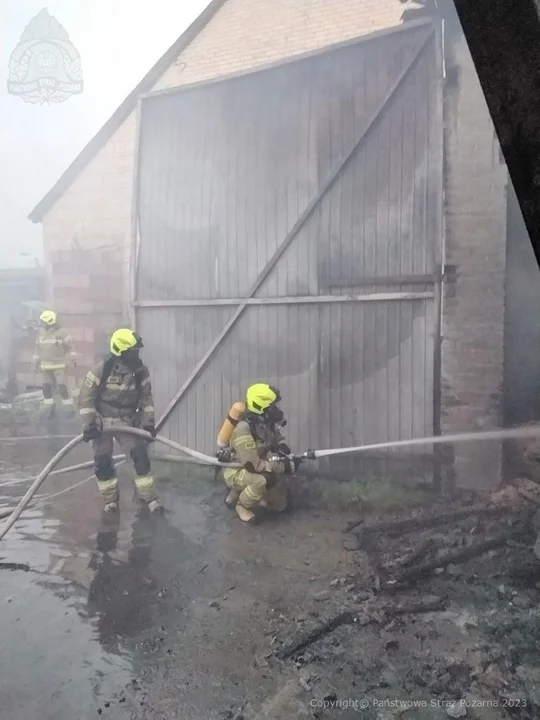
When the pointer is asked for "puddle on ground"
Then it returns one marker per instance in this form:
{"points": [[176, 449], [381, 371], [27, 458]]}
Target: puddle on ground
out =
{"points": [[55, 667], [70, 622]]}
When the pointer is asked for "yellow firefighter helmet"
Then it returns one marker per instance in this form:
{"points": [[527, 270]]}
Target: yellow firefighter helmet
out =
{"points": [[260, 397], [48, 317], [124, 339]]}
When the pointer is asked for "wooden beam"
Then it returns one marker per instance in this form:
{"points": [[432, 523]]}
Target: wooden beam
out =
{"points": [[135, 236], [367, 281], [291, 300]]}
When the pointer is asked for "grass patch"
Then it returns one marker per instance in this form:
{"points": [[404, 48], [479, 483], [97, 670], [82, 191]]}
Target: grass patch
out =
{"points": [[371, 494], [365, 493]]}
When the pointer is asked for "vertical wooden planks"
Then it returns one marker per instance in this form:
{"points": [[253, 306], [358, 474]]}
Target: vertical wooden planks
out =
{"points": [[240, 156], [420, 92], [370, 409]]}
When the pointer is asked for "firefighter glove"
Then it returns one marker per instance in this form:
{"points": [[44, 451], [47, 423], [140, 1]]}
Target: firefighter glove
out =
{"points": [[291, 464], [224, 455], [150, 428], [284, 448], [91, 432]]}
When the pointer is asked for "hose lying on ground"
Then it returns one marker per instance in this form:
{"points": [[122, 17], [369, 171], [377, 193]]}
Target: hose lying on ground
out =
{"points": [[117, 460], [37, 482], [49, 467], [42, 501], [89, 463], [62, 471], [19, 438]]}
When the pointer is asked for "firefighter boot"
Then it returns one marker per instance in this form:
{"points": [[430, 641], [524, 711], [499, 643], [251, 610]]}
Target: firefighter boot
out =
{"points": [[276, 498], [105, 474], [247, 516], [231, 499], [67, 401], [155, 507]]}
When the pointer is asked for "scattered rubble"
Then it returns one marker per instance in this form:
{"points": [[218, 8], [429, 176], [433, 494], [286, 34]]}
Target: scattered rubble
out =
{"points": [[471, 639], [456, 710], [343, 618], [289, 702]]}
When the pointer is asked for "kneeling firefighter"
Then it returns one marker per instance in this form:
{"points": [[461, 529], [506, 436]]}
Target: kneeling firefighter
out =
{"points": [[117, 393], [257, 443], [53, 349]]}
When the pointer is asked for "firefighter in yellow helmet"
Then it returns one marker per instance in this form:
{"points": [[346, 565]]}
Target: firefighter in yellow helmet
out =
{"points": [[116, 393], [257, 443], [54, 350]]}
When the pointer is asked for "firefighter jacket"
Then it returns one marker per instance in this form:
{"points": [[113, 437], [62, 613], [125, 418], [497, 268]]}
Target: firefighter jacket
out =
{"points": [[112, 390], [251, 450], [53, 346]]}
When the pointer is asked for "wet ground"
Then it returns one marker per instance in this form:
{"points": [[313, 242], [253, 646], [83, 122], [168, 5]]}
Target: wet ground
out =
{"points": [[138, 616]]}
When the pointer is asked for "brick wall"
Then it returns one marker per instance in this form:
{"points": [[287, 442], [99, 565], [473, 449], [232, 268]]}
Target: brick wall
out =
{"points": [[17, 288], [250, 33], [96, 210], [85, 284], [473, 317]]}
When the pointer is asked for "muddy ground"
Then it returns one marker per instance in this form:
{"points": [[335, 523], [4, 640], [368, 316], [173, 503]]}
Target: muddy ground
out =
{"points": [[186, 616]]}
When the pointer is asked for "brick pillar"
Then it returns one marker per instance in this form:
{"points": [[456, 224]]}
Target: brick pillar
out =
{"points": [[473, 305], [86, 290]]}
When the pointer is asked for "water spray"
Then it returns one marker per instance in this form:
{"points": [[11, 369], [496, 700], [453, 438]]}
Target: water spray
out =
{"points": [[505, 434]]}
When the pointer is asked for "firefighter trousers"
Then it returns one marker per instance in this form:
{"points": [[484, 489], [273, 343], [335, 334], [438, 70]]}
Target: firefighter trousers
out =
{"points": [[55, 381], [134, 448], [253, 490]]}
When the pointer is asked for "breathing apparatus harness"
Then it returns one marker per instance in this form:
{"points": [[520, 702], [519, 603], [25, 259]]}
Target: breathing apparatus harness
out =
{"points": [[131, 407], [264, 427], [265, 422]]}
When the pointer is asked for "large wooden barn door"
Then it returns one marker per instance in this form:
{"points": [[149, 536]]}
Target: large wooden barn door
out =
{"points": [[290, 230]]}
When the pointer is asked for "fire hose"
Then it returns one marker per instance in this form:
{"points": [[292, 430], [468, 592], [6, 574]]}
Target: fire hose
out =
{"points": [[502, 434]]}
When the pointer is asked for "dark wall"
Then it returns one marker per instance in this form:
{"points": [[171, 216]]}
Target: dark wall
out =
{"points": [[504, 38], [522, 322]]}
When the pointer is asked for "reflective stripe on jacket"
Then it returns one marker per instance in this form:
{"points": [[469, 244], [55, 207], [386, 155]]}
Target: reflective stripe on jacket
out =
{"points": [[124, 394], [53, 345]]}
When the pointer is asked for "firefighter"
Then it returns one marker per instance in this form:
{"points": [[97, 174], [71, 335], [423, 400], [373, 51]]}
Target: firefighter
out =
{"points": [[53, 351], [118, 393], [257, 443]]}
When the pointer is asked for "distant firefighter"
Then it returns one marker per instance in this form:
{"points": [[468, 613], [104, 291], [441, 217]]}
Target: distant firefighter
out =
{"points": [[54, 350]]}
